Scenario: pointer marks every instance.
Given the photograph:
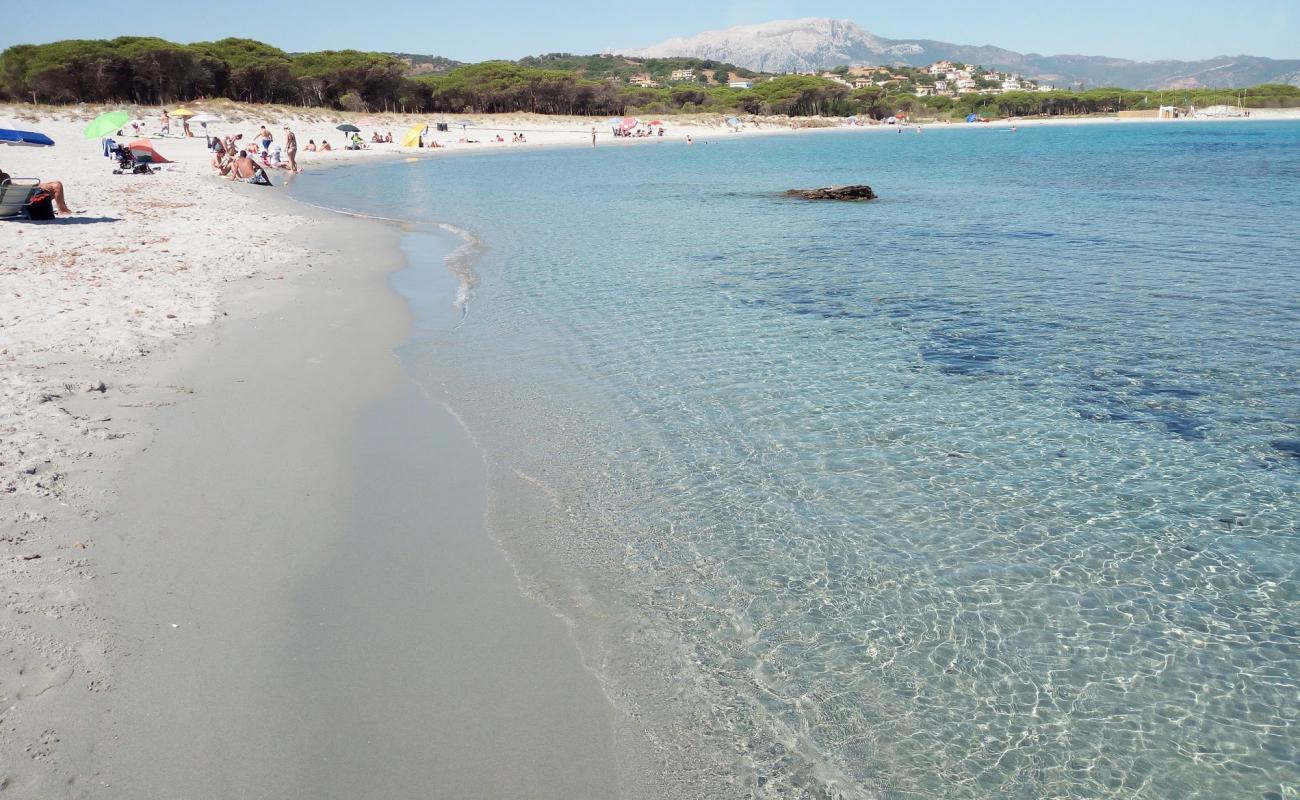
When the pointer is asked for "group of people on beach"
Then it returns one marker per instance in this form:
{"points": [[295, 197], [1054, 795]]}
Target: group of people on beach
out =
{"points": [[234, 159]]}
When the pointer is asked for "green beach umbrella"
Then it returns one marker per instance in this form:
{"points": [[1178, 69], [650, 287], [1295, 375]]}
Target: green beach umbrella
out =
{"points": [[105, 124]]}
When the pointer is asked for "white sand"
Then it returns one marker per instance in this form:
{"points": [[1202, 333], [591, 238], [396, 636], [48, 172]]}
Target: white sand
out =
{"points": [[95, 311], [100, 312]]}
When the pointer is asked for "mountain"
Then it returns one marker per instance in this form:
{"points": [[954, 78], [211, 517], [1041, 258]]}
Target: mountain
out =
{"points": [[812, 44]]}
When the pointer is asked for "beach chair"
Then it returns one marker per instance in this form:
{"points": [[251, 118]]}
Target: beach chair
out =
{"points": [[14, 194]]}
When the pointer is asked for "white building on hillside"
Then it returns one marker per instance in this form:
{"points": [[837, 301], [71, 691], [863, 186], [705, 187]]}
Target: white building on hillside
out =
{"points": [[741, 84], [683, 75]]}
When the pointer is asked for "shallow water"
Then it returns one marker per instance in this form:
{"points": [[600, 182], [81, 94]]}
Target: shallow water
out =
{"points": [[988, 488]]}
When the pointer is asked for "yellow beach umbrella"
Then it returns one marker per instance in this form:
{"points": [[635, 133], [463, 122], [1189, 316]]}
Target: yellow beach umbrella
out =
{"points": [[183, 112], [412, 137]]}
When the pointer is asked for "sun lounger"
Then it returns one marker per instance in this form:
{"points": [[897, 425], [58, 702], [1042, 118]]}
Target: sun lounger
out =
{"points": [[14, 194]]}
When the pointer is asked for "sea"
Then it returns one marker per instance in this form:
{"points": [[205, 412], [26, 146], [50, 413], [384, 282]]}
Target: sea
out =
{"points": [[987, 488]]}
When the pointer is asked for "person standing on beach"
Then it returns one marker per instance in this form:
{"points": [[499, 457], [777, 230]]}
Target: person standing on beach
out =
{"points": [[593, 135], [167, 123], [265, 136], [291, 148]]}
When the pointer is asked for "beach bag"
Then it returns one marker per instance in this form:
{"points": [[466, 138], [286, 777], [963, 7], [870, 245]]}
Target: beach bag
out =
{"points": [[41, 206]]}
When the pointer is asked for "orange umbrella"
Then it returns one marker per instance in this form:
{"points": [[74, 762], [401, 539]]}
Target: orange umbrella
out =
{"points": [[143, 147]]}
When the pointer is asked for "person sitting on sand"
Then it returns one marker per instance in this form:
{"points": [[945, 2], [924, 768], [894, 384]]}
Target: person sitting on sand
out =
{"points": [[249, 171], [220, 163], [325, 146], [311, 146], [53, 188], [375, 138], [388, 138]]}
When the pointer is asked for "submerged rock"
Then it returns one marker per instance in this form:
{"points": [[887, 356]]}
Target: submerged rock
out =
{"points": [[834, 193]]}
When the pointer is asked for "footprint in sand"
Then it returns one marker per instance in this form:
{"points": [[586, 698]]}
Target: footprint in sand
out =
{"points": [[38, 678]]}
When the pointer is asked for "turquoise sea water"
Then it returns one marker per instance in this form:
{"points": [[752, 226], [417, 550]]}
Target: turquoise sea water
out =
{"points": [[986, 489]]}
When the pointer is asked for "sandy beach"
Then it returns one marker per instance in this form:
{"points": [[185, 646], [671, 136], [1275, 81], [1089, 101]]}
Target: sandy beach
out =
{"points": [[241, 554], [161, 545]]}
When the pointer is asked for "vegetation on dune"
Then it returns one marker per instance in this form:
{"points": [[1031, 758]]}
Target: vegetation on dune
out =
{"points": [[150, 71]]}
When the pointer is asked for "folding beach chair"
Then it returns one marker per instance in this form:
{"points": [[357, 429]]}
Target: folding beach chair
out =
{"points": [[14, 194]]}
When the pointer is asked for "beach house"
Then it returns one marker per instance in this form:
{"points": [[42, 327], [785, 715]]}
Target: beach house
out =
{"points": [[682, 75]]}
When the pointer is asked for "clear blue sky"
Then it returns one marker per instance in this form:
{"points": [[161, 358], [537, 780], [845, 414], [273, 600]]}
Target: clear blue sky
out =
{"points": [[474, 30]]}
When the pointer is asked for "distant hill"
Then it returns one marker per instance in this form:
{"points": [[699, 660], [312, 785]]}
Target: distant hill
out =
{"points": [[814, 44], [427, 65]]}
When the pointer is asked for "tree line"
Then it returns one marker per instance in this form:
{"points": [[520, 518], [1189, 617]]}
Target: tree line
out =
{"points": [[153, 71]]}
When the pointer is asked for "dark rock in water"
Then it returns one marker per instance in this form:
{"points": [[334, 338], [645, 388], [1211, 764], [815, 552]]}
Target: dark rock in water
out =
{"points": [[834, 193], [1289, 446]]}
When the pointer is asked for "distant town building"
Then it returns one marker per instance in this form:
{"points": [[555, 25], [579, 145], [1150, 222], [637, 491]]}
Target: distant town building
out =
{"points": [[741, 84], [683, 75], [643, 79], [942, 67]]}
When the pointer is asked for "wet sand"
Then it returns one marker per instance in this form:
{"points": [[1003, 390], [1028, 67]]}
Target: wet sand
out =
{"points": [[305, 597]]}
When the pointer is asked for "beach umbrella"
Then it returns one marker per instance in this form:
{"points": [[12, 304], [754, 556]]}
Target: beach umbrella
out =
{"points": [[369, 122], [105, 124], [347, 127], [24, 138], [204, 119], [733, 122], [412, 137], [143, 147], [183, 112], [656, 122], [614, 121], [630, 122], [465, 123]]}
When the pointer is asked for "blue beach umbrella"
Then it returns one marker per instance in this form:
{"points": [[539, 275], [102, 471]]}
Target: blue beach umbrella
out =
{"points": [[732, 121], [25, 138], [614, 121]]}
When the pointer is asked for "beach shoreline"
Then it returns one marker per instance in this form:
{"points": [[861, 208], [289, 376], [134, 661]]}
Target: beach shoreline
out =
{"points": [[137, 616], [111, 324]]}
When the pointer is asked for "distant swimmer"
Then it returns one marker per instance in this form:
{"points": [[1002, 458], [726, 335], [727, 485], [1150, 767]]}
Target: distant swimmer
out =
{"points": [[689, 140]]}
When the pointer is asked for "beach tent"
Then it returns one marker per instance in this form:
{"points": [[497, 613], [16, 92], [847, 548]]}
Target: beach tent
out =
{"points": [[143, 147], [972, 117], [24, 138], [412, 136], [105, 124]]}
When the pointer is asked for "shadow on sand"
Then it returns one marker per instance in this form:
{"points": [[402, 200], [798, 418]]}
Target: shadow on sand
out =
{"points": [[67, 220]]}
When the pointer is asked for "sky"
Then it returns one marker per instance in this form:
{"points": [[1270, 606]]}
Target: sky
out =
{"points": [[476, 31]]}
